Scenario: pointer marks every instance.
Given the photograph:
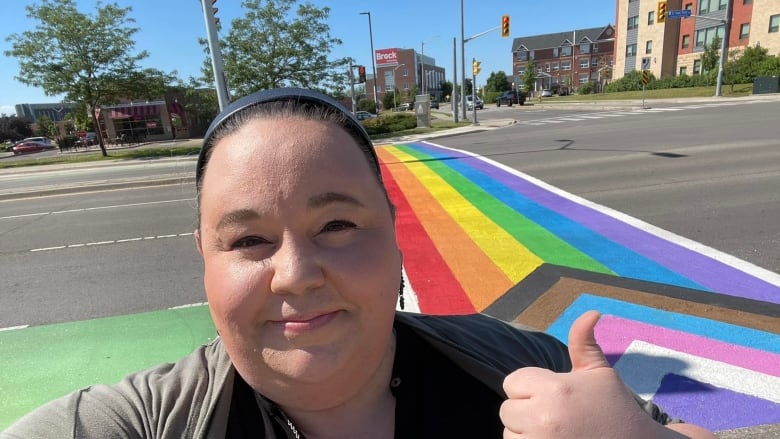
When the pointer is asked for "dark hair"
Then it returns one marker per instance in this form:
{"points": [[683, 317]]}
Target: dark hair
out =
{"points": [[284, 102]]}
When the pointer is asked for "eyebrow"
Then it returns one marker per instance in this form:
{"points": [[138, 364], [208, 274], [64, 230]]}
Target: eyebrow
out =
{"points": [[236, 217], [243, 215]]}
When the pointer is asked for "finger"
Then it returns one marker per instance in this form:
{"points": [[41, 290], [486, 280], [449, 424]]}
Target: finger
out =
{"points": [[514, 415], [585, 353], [522, 383]]}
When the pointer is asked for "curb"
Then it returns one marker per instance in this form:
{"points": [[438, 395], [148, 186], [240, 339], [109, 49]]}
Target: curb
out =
{"points": [[96, 187]]}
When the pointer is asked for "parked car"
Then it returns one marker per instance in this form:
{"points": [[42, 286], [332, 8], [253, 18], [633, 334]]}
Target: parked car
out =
{"points": [[363, 115], [563, 91], [547, 93], [434, 104], [31, 147], [511, 97], [406, 106], [470, 105]]}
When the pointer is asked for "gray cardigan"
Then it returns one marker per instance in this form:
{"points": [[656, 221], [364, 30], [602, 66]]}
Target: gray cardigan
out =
{"points": [[191, 398]]}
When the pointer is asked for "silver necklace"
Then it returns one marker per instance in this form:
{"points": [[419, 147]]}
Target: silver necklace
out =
{"points": [[292, 427]]}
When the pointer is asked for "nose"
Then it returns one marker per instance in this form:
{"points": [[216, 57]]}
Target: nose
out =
{"points": [[296, 267]]}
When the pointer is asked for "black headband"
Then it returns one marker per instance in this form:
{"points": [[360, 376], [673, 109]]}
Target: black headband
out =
{"points": [[298, 96]]}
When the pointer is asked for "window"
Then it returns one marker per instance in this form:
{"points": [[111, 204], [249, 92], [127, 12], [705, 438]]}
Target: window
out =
{"points": [[697, 67], [649, 47], [705, 36], [633, 22], [595, 47], [566, 65], [547, 67], [594, 61], [583, 78], [747, 2], [686, 41], [585, 48], [539, 69], [774, 23], [706, 6], [555, 52], [631, 50], [689, 6], [683, 71], [566, 51], [522, 55], [531, 54], [744, 31], [555, 67], [650, 17], [584, 63]]}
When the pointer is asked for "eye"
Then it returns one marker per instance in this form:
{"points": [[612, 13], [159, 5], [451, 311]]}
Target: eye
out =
{"points": [[338, 225], [248, 241]]}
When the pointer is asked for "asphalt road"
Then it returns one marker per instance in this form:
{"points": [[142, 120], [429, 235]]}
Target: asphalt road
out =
{"points": [[709, 174]]}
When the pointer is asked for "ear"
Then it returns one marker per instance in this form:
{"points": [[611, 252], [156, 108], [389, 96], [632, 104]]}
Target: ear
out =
{"points": [[198, 244]]}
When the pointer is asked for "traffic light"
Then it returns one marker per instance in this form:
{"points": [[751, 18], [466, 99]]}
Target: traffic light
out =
{"points": [[214, 12], [504, 26], [661, 18], [476, 67], [361, 74]]}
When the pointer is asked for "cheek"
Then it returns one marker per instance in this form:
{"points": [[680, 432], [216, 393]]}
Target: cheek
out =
{"points": [[372, 270], [235, 291]]}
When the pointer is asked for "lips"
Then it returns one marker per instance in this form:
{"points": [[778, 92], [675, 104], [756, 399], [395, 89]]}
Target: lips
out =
{"points": [[304, 323]]}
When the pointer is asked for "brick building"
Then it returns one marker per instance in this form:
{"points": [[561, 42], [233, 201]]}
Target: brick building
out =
{"points": [[404, 69], [674, 47], [567, 58]]}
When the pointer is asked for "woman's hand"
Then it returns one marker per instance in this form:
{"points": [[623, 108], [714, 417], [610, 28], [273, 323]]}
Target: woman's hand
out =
{"points": [[591, 401]]}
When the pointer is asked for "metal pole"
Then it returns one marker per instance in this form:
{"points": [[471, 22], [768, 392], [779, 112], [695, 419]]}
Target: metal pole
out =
{"points": [[454, 97], [422, 68], [352, 88], [216, 56], [474, 92], [373, 59], [462, 61], [723, 49]]}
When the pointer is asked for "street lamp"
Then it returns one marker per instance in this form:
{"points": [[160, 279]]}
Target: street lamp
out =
{"points": [[395, 86], [373, 58], [422, 63]]}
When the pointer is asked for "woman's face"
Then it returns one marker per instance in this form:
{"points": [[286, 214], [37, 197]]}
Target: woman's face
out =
{"points": [[302, 267]]}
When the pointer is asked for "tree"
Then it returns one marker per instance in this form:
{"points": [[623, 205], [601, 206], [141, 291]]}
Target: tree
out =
{"points": [[271, 47], [711, 55], [88, 58], [14, 128], [498, 82], [390, 99], [46, 127], [529, 78], [446, 88]]}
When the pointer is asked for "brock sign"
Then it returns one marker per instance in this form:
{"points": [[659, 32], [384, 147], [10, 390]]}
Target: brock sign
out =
{"points": [[386, 57]]}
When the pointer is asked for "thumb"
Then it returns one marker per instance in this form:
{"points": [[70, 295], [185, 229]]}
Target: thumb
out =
{"points": [[585, 353]]}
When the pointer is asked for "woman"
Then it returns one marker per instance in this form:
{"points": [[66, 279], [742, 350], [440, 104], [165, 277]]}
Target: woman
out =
{"points": [[302, 275]]}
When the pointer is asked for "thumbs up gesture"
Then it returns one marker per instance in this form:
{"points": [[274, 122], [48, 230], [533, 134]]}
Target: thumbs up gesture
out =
{"points": [[589, 402]]}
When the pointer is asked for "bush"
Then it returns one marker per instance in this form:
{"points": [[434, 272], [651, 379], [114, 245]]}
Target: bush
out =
{"points": [[587, 88], [68, 142], [390, 123]]}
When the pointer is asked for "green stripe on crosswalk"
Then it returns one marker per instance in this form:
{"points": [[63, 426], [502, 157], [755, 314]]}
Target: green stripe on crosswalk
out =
{"points": [[38, 364]]}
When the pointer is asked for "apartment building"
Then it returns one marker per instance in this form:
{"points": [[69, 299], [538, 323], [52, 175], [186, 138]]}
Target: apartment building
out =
{"points": [[674, 46], [566, 58]]}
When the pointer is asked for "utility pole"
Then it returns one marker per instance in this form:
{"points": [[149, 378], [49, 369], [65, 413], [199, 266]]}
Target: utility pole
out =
{"points": [[373, 59], [454, 98], [216, 55]]}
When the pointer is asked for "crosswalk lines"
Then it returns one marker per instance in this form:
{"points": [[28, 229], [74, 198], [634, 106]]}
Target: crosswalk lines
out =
{"points": [[611, 114]]}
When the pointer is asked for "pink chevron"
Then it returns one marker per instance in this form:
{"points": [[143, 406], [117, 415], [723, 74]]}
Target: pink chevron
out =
{"points": [[614, 334]]}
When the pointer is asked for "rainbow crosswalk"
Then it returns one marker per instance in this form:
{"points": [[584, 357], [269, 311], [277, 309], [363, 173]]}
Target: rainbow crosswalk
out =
{"points": [[683, 323]]}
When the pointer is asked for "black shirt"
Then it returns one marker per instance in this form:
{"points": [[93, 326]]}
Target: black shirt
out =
{"points": [[434, 399]]}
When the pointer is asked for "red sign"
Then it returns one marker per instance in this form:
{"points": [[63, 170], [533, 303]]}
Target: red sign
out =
{"points": [[386, 57]]}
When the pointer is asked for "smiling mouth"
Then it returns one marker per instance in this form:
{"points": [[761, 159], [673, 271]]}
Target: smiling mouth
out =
{"points": [[297, 325]]}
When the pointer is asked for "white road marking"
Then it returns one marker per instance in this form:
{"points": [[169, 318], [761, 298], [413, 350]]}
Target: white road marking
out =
{"points": [[116, 241], [11, 328], [86, 209], [190, 305]]}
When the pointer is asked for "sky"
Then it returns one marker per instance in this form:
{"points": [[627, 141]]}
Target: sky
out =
{"points": [[169, 31]]}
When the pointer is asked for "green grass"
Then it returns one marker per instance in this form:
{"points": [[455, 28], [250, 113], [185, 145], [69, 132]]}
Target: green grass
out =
{"points": [[436, 125], [191, 147]]}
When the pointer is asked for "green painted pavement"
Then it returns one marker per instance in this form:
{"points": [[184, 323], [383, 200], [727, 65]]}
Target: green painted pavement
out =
{"points": [[40, 363]]}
